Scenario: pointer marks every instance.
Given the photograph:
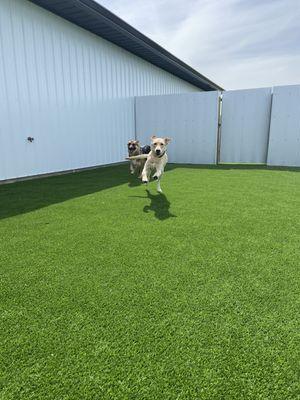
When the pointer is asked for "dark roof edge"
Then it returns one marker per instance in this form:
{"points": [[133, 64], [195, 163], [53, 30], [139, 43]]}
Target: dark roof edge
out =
{"points": [[97, 19]]}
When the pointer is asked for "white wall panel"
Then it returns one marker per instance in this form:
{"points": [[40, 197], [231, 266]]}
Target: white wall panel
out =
{"points": [[245, 125], [191, 120], [57, 83], [98, 136], [284, 146]]}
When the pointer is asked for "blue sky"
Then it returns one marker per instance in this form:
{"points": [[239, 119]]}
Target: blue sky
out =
{"points": [[236, 43]]}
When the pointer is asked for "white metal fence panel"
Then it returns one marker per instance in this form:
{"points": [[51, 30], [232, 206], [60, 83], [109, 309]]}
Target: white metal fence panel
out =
{"points": [[245, 125], [191, 120], [69, 139], [284, 146]]}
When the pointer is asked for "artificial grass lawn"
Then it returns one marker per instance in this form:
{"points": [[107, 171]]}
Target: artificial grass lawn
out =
{"points": [[108, 292]]}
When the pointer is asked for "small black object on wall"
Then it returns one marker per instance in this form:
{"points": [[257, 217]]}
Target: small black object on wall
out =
{"points": [[30, 139]]}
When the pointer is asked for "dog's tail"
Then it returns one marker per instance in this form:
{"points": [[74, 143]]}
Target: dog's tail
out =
{"points": [[139, 157]]}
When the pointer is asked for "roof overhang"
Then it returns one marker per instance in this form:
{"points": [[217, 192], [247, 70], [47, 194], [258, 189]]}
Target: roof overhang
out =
{"points": [[97, 19]]}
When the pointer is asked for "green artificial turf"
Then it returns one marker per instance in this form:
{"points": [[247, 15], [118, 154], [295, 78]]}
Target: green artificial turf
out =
{"points": [[110, 292]]}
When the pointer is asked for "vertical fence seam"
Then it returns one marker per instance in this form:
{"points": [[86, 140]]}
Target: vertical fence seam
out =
{"points": [[218, 156], [269, 128], [134, 116]]}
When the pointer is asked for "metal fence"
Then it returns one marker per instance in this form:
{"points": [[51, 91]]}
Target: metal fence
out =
{"points": [[284, 143], [190, 120], [255, 125], [66, 140], [243, 126]]}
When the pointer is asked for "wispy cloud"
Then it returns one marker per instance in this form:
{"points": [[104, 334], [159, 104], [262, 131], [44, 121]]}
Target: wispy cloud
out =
{"points": [[237, 43]]}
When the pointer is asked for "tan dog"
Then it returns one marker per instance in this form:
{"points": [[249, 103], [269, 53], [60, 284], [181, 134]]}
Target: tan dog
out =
{"points": [[156, 159]]}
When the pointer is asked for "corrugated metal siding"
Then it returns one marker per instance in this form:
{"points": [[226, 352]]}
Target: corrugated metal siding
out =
{"points": [[91, 16], [191, 120], [57, 83], [284, 145], [245, 125]]}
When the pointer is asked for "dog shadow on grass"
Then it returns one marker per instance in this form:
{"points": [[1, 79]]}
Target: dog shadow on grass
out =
{"points": [[134, 181], [159, 205]]}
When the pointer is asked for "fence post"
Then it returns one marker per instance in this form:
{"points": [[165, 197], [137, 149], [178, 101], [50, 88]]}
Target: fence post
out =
{"points": [[269, 129], [219, 128]]}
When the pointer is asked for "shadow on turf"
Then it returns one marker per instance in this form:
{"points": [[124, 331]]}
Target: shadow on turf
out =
{"points": [[26, 196], [134, 181], [159, 205], [23, 197]]}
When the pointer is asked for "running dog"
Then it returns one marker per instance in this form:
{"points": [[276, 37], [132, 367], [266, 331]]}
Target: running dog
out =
{"points": [[156, 159], [134, 149]]}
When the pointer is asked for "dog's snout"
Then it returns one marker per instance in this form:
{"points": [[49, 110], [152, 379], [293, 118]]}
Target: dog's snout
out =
{"points": [[157, 151]]}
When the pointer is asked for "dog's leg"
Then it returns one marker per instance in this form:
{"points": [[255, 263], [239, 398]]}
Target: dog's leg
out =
{"points": [[146, 172], [157, 176], [158, 188], [131, 168], [141, 167], [159, 172], [140, 173]]}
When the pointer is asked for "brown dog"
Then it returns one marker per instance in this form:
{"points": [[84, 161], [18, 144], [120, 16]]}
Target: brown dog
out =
{"points": [[134, 149]]}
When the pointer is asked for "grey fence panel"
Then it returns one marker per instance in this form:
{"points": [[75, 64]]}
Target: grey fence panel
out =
{"points": [[191, 120], [245, 125], [284, 146]]}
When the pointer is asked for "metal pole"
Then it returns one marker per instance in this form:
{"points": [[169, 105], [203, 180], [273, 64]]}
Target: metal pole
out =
{"points": [[269, 128], [219, 128]]}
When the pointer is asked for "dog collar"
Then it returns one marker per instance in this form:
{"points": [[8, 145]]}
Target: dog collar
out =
{"points": [[162, 155]]}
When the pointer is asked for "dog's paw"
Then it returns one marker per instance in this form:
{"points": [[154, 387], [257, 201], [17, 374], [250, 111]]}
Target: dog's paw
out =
{"points": [[159, 191]]}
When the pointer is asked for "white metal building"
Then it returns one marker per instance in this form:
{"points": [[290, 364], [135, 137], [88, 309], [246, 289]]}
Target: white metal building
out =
{"points": [[69, 71]]}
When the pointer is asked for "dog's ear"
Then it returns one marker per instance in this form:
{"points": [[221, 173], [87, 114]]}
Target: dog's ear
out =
{"points": [[167, 140], [153, 137]]}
